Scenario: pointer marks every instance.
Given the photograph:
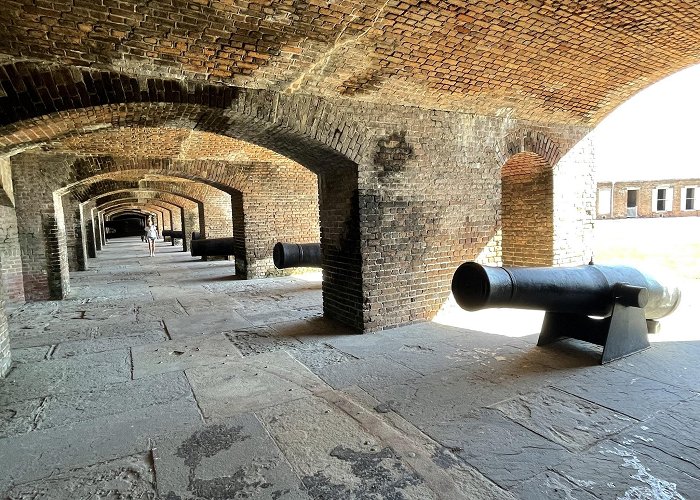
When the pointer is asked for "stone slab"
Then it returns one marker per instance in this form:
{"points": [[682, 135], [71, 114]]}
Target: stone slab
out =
{"points": [[79, 373], [671, 437], [625, 392], [551, 485], [63, 409], [258, 340], [178, 355], [499, 448], [252, 383], [612, 470], [233, 458], [674, 363], [562, 418], [335, 457], [38, 454], [377, 371], [128, 477], [182, 327]]}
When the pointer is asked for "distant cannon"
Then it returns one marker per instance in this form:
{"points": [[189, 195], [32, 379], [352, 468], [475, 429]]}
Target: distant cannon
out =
{"points": [[172, 233], [286, 255], [214, 247], [626, 301]]}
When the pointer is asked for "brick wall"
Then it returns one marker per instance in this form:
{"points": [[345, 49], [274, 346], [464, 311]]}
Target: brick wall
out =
{"points": [[5, 354], [40, 223], [527, 211], [10, 255], [645, 198]]}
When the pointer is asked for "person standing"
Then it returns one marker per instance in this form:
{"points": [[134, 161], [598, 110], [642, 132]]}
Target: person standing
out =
{"points": [[151, 235]]}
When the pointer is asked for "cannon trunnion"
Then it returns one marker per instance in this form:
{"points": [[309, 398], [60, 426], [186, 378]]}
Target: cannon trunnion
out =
{"points": [[214, 247], [286, 255], [625, 301]]}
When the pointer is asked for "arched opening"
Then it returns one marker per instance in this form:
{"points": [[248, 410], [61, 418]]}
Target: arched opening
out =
{"points": [[527, 211]]}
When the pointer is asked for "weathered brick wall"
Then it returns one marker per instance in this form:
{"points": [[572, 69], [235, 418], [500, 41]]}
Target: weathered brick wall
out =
{"points": [[74, 244], [645, 198], [40, 223], [574, 204], [5, 354], [527, 211], [10, 255]]}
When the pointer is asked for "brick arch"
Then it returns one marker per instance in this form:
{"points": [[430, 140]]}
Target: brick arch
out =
{"points": [[296, 127], [191, 208], [160, 208], [529, 141]]}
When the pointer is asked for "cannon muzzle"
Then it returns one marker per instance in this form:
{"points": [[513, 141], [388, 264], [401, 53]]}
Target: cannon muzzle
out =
{"points": [[213, 247], [196, 235], [286, 255]]}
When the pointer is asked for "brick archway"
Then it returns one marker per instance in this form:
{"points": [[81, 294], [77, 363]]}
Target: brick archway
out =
{"points": [[527, 211]]}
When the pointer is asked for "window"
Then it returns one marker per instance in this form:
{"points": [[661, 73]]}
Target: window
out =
{"points": [[604, 202], [663, 199], [632, 202], [688, 201]]}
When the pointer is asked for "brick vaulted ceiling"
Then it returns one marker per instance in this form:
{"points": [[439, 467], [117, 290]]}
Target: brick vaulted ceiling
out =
{"points": [[562, 60]]}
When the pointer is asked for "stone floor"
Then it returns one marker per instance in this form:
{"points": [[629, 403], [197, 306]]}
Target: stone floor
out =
{"points": [[169, 378]]}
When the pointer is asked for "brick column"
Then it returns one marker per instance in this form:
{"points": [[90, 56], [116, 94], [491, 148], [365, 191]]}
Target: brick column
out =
{"points": [[190, 223], [41, 229], [88, 230], [574, 205], [103, 234], [74, 233], [5, 354], [96, 229], [340, 247]]}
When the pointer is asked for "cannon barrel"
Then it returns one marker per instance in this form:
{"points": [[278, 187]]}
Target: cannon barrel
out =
{"points": [[172, 233], [286, 255], [196, 235], [587, 289], [214, 247]]}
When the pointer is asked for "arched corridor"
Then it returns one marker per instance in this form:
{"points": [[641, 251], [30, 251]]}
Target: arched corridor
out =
{"points": [[397, 140]]}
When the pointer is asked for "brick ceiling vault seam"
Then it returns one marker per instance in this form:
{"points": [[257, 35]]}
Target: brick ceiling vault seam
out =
{"points": [[323, 61]]}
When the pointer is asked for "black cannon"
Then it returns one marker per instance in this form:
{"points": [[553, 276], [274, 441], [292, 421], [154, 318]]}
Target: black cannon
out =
{"points": [[286, 255], [196, 235], [172, 233], [612, 306], [214, 247]]}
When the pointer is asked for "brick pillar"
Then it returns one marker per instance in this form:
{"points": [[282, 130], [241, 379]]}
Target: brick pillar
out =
{"points": [[96, 229], [40, 223], [239, 242], [5, 354], [191, 223], [574, 205], [10, 256], [88, 230], [103, 234], [10, 253], [340, 247], [74, 236], [184, 229]]}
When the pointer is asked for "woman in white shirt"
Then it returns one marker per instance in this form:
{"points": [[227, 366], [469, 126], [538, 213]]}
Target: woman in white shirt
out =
{"points": [[151, 235]]}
